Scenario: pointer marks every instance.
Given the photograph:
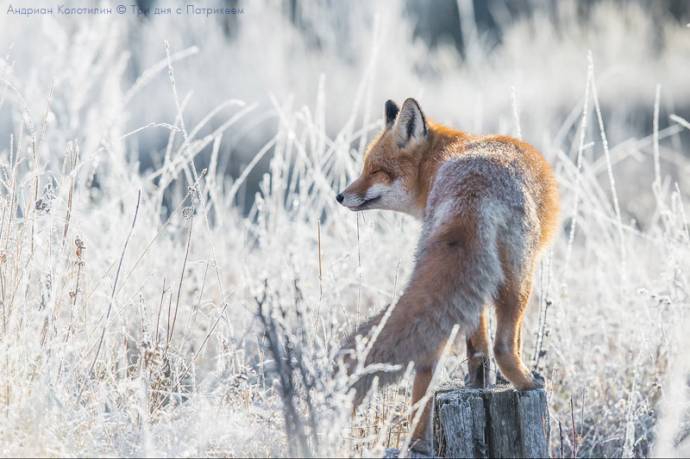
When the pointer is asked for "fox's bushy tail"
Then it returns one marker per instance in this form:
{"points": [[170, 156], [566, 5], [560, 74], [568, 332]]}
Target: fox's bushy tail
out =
{"points": [[458, 270]]}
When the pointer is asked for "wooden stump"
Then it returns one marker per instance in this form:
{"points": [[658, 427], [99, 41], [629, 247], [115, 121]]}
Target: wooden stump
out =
{"points": [[494, 422]]}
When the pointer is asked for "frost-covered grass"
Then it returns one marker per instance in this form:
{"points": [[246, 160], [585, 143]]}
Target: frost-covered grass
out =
{"points": [[129, 294]]}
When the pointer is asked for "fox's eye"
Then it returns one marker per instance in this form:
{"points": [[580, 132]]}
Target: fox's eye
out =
{"points": [[380, 171]]}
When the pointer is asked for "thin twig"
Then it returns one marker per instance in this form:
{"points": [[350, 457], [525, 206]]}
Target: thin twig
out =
{"points": [[179, 285], [112, 294], [575, 439], [210, 332], [160, 308], [318, 242]]}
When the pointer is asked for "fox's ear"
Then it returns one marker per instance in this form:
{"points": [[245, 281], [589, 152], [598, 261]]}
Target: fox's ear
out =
{"points": [[391, 111], [410, 125]]}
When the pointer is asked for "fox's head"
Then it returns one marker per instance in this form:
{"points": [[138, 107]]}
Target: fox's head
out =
{"points": [[390, 176]]}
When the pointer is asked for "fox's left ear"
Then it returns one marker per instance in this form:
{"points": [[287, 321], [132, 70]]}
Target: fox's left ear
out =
{"points": [[391, 111], [410, 125]]}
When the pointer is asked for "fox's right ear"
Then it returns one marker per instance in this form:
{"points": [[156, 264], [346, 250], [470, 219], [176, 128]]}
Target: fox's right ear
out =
{"points": [[391, 112], [410, 125]]}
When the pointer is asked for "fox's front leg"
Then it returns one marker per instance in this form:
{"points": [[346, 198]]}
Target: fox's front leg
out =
{"points": [[479, 374]]}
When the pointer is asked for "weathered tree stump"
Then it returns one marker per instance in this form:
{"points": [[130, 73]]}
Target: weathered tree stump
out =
{"points": [[494, 422]]}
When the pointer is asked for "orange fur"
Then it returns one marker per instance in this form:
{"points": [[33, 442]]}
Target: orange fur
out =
{"points": [[489, 206]]}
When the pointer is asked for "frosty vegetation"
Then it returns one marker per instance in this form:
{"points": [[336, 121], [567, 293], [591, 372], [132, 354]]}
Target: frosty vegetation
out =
{"points": [[176, 275]]}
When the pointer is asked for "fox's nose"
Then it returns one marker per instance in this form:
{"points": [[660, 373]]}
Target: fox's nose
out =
{"points": [[340, 197]]}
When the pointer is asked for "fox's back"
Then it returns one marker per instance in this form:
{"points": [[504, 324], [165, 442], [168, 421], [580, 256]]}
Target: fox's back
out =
{"points": [[511, 181]]}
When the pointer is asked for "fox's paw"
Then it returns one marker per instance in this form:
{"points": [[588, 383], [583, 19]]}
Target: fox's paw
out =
{"points": [[500, 379], [528, 381], [538, 380], [481, 379], [473, 383], [420, 448]]}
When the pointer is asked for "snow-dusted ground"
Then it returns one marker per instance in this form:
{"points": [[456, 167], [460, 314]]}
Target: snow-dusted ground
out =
{"points": [[130, 276]]}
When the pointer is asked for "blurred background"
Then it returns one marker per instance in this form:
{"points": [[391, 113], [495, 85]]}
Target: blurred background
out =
{"points": [[472, 64], [108, 116]]}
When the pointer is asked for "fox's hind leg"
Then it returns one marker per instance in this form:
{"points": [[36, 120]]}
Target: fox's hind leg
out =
{"points": [[422, 431], [478, 354], [511, 303]]}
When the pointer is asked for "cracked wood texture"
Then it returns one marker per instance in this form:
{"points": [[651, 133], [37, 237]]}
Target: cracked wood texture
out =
{"points": [[494, 422]]}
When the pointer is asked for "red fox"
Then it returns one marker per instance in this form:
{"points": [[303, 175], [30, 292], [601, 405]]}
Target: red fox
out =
{"points": [[489, 205]]}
